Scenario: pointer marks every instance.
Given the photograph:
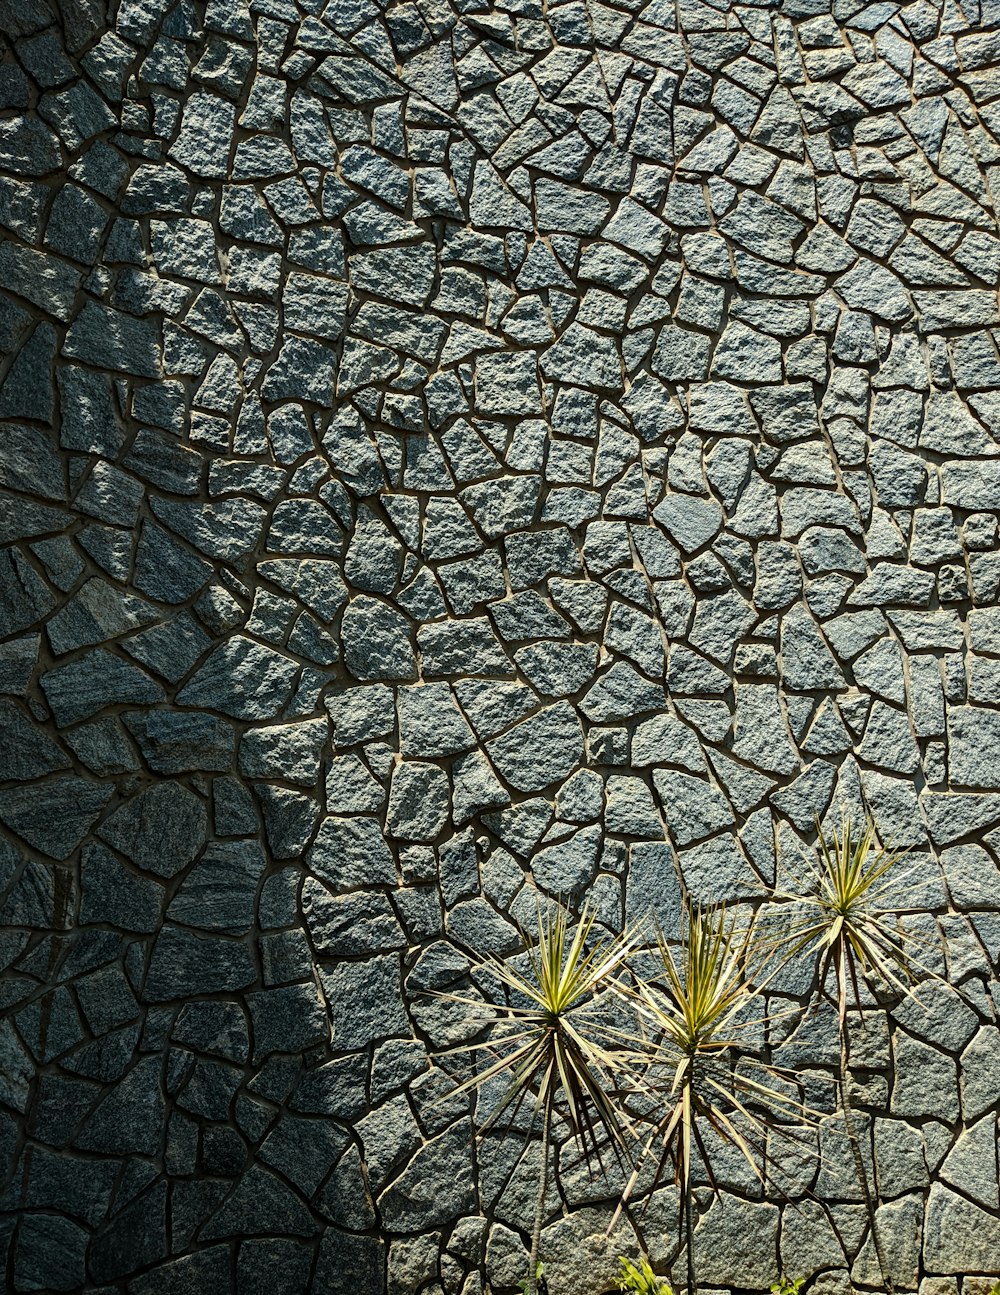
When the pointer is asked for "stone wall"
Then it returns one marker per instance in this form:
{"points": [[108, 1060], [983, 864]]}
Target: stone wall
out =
{"points": [[453, 453]]}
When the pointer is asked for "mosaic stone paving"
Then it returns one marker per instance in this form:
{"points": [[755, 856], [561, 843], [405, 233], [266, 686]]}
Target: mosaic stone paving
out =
{"points": [[452, 453]]}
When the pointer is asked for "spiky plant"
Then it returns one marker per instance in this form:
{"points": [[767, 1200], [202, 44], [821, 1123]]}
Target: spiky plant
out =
{"points": [[851, 933], [555, 1043], [697, 1007]]}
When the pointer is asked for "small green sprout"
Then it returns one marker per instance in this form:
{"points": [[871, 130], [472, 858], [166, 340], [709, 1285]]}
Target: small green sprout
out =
{"points": [[640, 1278]]}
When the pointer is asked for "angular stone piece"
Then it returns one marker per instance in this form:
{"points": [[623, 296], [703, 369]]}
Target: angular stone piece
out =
{"points": [[184, 965], [349, 924], [50, 1254], [377, 641], [128, 1120], [110, 339], [177, 742], [541, 750], [692, 807], [958, 1235], [739, 1232], [653, 888], [242, 679], [974, 746], [971, 1164], [435, 1188], [577, 1245], [760, 734], [925, 1080], [418, 801], [430, 723], [351, 852], [285, 751], [220, 891], [351, 1265], [507, 383], [96, 613], [584, 357], [900, 1228], [261, 1203], [290, 1018], [205, 136], [569, 866], [228, 530], [27, 752], [621, 693], [367, 1003], [691, 522], [162, 830], [54, 816]]}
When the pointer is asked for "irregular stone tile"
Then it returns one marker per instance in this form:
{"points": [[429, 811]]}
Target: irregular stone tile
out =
{"points": [[377, 642], [50, 1253], [56, 815], [174, 743], [291, 1017], [111, 892], [97, 613], [290, 751], [974, 735], [568, 867], [540, 750], [184, 965], [350, 851], [162, 830], [242, 679], [418, 801], [429, 1193], [958, 1234], [218, 893], [228, 530]]}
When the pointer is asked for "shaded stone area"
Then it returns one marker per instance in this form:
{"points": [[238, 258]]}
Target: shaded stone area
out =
{"points": [[452, 455]]}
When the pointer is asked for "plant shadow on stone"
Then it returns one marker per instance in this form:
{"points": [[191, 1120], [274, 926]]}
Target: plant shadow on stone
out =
{"points": [[853, 935], [555, 1046], [702, 1007], [654, 1057], [606, 1042]]}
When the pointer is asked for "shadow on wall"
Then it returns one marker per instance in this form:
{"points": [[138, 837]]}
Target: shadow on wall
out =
{"points": [[166, 1048], [448, 456]]}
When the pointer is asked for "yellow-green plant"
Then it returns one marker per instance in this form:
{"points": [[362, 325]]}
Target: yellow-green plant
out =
{"points": [[697, 1007], [851, 933], [787, 1285], [640, 1279], [555, 1043], [846, 927]]}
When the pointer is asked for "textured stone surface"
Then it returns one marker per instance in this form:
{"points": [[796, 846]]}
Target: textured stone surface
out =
{"points": [[737, 1232], [452, 454], [959, 1235]]}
